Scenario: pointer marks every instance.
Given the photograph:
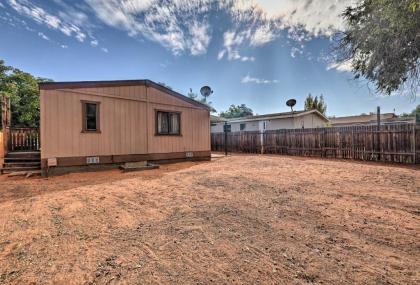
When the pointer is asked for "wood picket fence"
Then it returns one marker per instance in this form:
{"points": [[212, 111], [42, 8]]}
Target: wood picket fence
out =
{"points": [[399, 143]]}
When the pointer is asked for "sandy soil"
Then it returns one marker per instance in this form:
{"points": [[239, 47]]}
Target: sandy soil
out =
{"points": [[236, 220]]}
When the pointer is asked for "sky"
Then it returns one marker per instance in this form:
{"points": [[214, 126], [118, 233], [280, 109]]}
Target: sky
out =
{"points": [[255, 52]]}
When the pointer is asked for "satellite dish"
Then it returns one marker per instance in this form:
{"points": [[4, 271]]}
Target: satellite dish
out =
{"points": [[291, 103], [206, 91]]}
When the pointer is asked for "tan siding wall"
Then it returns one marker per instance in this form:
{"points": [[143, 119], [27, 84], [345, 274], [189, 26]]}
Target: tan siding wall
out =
{"points": [[278, 124], [127, 123], [310, 121]]}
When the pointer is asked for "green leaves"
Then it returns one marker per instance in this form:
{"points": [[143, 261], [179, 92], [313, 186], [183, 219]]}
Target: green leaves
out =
{"points": [[312, 103], [238, 111], [382, 41], [22, 88]]}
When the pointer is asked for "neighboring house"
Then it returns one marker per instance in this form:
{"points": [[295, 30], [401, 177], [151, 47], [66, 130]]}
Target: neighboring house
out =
{"points": [[113, 122], [276, 121], [215, 121], [370, 119]]}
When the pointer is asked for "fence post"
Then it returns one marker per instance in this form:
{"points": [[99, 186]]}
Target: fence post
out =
{"points": [[262, 141], [225, 129]]}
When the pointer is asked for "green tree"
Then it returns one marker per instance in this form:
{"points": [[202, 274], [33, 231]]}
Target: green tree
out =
{"points": [[382, 43], [201, 99], [412, 113], [238, 111], [23, 90], [315, 103], [416, 110]]}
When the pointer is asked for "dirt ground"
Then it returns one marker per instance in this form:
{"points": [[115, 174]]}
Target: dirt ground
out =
{"points": [[238, 220]]}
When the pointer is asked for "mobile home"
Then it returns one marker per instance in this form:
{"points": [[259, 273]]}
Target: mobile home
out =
{"points": [[112, 122]]}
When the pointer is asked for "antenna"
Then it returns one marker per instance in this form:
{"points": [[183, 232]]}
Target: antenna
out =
{"points": [[291, 103], [206, 91]]}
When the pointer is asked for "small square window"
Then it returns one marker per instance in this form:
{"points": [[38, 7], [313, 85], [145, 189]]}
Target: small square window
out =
{"points": [[168, 123], [90, 118], [242, 127]]}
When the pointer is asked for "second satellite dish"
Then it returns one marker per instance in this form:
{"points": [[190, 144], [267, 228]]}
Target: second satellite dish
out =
{"points": [[206, 91], [291, 103]]}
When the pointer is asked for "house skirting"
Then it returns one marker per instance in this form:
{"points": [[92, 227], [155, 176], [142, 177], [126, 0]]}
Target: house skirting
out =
{"points": [[79, 163]]}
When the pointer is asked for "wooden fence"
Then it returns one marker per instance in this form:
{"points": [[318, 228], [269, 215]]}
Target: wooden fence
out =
{"points": [[24, 139], [398, 143]]}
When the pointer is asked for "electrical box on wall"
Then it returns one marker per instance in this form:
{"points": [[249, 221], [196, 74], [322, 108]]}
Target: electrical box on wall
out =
{"points": [[189, 154], [52, 162], [92, 160]]}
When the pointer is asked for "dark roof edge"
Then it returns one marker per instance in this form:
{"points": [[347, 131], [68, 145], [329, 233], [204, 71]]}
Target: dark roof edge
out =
{"points": [[116, 83]]}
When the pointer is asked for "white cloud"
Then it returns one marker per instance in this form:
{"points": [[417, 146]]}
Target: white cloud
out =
{"points": [[232, 40], [340, 66], [249, 79], [94, 43], [105, 50], [64, 46], [43, 36], [179, 25], [296, 51], [221, 54], [200, 38], [262, 35], [41, 16], [184, 27], [247, 58], [318, 17]]}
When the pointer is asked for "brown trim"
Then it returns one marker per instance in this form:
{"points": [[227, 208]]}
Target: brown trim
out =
{"points": [[116, 83], [168, 111], [116, 159], [98, 116]]}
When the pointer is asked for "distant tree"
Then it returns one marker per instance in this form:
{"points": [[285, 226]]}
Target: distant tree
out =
{"points": [[238, 111], [412, 113], [312, 103], [382, 43], [23, 90], [201, 99], [416, 110]]}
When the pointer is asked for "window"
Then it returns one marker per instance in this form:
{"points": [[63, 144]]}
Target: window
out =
{"points": [[168, 123], [242, 127], [90, 112]]}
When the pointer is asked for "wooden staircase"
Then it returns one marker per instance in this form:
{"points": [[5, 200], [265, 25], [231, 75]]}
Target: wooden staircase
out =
{"points": [[21, 161]]}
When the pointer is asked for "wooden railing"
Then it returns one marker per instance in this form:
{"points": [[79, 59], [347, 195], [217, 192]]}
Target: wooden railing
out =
{"points": [[24, 139]]}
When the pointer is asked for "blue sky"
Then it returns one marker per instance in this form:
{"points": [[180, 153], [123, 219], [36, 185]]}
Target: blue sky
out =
{"points": [[257, 52]]}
